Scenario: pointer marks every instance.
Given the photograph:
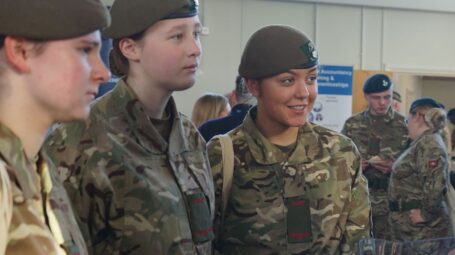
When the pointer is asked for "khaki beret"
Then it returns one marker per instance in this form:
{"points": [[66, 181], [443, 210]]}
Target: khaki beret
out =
{"points": [[276, 49], [377, 83], [130, 17], [52, 19]]}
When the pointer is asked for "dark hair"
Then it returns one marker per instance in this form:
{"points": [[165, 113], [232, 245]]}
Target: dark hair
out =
{"points": [[118, 63], [2, 41]]}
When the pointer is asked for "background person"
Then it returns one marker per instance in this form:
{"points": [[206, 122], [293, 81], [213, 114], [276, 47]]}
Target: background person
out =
{"points": [[137, 169], [380, 135], [419, 179], [297, 188], [243, 102], [50, 71], [208, 107]]}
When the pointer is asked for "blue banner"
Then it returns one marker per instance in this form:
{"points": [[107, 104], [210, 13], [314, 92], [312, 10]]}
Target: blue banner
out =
{"points": [[335, 80]]}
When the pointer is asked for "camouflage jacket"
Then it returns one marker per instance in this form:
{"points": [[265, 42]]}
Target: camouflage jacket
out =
{"points": [[383, 136], [420, 174], [314, 201], [134, 192], [35, 213]]}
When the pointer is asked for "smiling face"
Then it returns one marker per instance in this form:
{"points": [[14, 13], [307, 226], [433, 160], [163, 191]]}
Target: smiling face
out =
{"points": [[65, 76], [285, 100], [169, 53]]}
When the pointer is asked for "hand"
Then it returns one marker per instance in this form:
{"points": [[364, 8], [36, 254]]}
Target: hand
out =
{"points": [[365, 164], [416, 216], [384, 166]]}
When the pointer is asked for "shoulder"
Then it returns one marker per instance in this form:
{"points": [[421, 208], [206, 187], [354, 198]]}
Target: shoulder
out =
{"points": [[332, 138], [358, 117], [399, 119]]}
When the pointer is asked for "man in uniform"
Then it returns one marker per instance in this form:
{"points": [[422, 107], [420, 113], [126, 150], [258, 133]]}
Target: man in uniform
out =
{"points": [[380, 135]]}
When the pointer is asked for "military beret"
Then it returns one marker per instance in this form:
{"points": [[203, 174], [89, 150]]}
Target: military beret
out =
{"points": [[276, 49], [377, 83], [52, 19], [132, 17], [396, 96], [424, 101]]}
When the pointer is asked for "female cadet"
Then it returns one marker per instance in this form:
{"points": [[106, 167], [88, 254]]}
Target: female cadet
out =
{"points": [[297, 188], [419, 176], [137, 169], [50, 70]]}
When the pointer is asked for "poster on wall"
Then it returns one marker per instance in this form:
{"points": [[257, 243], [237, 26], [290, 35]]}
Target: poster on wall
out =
{"points": [[334, 102]]}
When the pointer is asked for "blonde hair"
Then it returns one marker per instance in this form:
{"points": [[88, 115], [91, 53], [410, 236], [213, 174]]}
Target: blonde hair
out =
{"points": [[208, 106], [436, 120]]}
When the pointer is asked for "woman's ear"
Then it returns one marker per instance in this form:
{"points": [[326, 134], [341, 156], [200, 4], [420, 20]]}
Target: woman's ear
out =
{"points": [[130, 49], [17, 52], [253, 87]]}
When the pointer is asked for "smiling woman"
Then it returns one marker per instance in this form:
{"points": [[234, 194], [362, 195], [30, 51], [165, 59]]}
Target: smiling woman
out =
{"points": [[44, 78], [297, 187]]}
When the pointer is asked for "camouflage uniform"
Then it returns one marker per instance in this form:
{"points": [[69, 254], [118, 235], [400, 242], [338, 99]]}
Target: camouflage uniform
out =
{"points": [[314, 201], [419, 180], [135, 192], [383, 136], [36, 215]]}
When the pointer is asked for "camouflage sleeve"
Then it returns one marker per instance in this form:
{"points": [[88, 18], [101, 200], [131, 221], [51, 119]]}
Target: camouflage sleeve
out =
{"points": [[216, 163], [346, 130], [432, 164], [359, 215], [6, 207]]}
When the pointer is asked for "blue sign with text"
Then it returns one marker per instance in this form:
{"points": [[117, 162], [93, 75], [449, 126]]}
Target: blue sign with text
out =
{"points": [[335, 80]]}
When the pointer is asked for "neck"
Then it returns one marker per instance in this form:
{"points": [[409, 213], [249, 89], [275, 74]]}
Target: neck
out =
{"points": [[276, 134], [152, 97], [25, 119], [420, 131]]}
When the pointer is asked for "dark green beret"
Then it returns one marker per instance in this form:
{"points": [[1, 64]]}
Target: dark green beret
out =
{"points": [[130, 17], [377, 83], [276, 49], [424, 101], [396, 96], [52, 19]]}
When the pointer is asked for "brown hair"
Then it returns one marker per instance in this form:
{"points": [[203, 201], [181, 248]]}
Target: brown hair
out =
{"points": [[208, 106], [118, 63]]}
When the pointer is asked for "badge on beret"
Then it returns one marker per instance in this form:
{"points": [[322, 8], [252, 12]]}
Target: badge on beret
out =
{"points": [[310, 51], [433, 163], [193, 4], [385, 83]]}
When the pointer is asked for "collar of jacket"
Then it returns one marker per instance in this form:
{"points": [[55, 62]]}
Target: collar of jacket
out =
{"points": [[308, 144], [388, 117], [143, 128], [425, 133], [12, 152]]}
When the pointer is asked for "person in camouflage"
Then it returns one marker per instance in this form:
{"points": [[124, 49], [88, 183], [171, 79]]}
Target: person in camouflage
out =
{"points": [[49, 68], [297, 187], [419, 178], [137, 169], [380, 135]]}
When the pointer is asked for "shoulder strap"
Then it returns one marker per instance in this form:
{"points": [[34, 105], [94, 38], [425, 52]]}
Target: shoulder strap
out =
{"points": [[227, 150]]}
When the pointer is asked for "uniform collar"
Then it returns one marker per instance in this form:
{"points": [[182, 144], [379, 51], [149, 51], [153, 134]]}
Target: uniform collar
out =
{"points": [[388, 117], [264, 152], [148, 136], [425, 133], [12, 152]]}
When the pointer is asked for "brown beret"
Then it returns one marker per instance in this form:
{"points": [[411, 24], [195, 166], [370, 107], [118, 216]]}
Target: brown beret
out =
{"points": [[130, 17], [52, 19], [276, 49]]}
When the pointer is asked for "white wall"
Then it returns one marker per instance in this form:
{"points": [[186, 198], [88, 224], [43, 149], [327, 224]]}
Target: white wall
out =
{"points": [[368, 38]]}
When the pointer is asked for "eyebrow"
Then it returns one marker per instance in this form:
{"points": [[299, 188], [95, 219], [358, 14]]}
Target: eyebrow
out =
{"points": [[92, 43], [292, 71], [197, 25]]}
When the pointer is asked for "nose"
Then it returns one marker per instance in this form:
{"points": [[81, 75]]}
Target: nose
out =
{"points": [[195, 48], [100, 72], [302, 90]]}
